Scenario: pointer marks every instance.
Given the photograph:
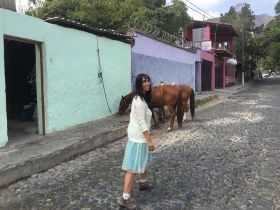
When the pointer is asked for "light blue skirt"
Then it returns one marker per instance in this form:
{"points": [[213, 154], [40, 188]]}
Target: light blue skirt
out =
{"points": [[136, 157]]}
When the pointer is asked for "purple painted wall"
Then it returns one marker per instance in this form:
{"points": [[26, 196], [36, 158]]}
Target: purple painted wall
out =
{"points": [[163, 62]]}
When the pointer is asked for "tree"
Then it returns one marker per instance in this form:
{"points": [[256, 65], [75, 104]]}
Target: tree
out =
{"points": [[277, 8], [115, 14], [229, 17], [269, 43], [245, 44], [173, 17]]}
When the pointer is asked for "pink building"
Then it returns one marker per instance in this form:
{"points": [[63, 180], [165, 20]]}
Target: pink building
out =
{"points": [[216, 43]]}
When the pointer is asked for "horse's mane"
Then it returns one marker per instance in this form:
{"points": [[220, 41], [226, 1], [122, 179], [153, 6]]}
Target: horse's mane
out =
{"points": [[129, 97]]}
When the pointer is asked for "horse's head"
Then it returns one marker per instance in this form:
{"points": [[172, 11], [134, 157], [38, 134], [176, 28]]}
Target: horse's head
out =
{"points": [[124, 104]]}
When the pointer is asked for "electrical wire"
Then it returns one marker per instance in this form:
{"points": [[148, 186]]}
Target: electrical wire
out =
{"points": [[204, 15], [100, 76], [199, 9]]}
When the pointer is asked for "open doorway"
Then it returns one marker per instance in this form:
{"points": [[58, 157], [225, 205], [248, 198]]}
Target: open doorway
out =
{"points": [[21, 95], [206, 75], [219, 74]]}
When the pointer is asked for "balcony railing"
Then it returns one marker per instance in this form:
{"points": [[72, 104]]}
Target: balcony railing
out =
{"points": [[208, 45], [227, 46]]}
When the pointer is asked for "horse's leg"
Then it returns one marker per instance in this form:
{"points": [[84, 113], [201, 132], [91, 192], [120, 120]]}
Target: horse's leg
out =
{"points": [[172, 117], [153, 116], [165, 118], [186, 108], [161, 114]]}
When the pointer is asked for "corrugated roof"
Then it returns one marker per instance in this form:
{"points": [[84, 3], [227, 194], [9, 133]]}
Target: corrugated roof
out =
{"points": [[112, 34]]}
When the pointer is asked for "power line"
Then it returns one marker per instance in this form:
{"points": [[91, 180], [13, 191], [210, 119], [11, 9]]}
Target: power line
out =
{"points": [[199, 8], [197, 11], [207, 15]]}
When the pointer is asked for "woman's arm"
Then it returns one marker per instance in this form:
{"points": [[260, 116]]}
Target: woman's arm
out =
{"points": [[140, 115], [149, 139], [139, 109]]}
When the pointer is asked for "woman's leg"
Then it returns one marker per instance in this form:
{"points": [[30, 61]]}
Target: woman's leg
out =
{"points": [[128, 182], [144, 184], [144, 175], [124, 200]]}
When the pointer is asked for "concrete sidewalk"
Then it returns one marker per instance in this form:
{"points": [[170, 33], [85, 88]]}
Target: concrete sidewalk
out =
{"points": [[38, 153]]}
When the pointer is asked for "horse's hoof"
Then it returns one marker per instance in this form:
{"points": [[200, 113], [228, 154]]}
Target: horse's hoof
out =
{"points": [[169, 129]]}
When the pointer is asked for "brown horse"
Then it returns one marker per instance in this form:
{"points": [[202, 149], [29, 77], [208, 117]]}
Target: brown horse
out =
{"points": [[172, 97], [126, 101], [187, 93], [161, 96]]}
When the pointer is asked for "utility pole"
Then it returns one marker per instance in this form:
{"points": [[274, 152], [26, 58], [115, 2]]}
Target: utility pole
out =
{"points": [[243, 69]]}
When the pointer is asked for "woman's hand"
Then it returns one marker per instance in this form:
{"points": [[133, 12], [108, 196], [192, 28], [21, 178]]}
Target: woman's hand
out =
{"points": [[150, 142], [151, 145]]}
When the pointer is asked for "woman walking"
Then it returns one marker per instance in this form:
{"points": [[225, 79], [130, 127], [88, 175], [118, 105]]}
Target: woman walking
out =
{"points": [[140, 144]]}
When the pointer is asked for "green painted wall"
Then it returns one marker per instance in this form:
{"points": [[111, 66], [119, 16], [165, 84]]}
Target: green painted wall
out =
{"points": [[22, 26], [19, 26], [73, 92], [3, 115]]}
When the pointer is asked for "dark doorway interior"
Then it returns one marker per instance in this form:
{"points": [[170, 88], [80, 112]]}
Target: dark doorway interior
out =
{"points": [[219, 74], [206, 76], [197, 77], [21, 98]]}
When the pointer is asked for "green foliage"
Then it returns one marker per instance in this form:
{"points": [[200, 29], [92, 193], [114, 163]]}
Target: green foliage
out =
{"points": [[229, 17], [115, 14], [243, 23], [269, 43], [247, 18], [277, 8]]}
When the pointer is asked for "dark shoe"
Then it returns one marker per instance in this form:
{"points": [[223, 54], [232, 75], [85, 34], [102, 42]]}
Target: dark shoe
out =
{"points": [[144, 186], [127, 204]]}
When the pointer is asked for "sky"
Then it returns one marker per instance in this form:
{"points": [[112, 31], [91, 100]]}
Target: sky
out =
{"points": [[21, 2], [216, 7]]}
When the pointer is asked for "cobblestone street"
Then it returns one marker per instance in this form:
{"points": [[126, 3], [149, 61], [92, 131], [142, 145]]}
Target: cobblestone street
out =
{"points": [[227, 158]]}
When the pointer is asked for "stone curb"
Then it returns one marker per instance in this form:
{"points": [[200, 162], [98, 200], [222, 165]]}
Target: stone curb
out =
{"points": [[201, 102], [41, 163]]}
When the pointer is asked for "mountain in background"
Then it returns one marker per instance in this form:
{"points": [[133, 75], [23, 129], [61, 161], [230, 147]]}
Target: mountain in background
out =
{"points": [[259, 19], [262, 19]]}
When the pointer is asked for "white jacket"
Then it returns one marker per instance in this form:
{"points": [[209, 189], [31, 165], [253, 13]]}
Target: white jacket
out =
{"points": [[140, 120]]}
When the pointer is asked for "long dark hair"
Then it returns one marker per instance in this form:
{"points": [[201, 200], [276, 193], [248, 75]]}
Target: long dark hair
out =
{"points": [[139, 90]]}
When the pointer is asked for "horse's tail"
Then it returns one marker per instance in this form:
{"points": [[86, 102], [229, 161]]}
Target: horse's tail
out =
{"points": [[192, 103], [180, 110]]}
